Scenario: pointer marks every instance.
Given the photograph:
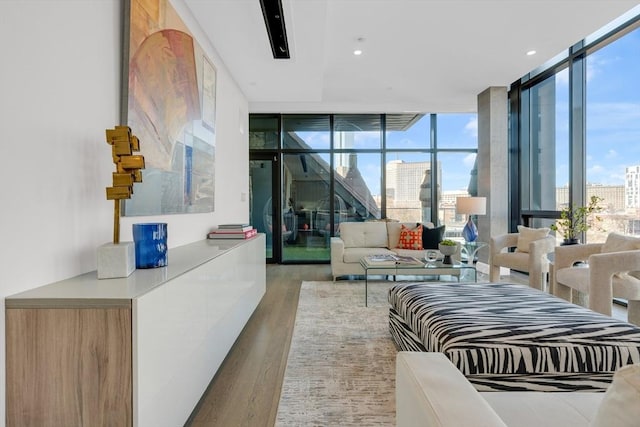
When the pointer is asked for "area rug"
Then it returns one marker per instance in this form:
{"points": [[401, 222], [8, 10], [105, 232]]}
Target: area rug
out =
{"points": [[341, 365]]}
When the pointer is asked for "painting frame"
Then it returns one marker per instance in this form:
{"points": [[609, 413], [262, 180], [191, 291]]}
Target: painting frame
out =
{"points": [[169, 102]]}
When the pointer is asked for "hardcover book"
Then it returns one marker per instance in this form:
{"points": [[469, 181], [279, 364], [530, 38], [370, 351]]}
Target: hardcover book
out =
{"points": [[232, 234]]}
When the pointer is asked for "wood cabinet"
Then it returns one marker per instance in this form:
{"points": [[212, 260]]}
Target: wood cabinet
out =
{"points": [[134, 351]]}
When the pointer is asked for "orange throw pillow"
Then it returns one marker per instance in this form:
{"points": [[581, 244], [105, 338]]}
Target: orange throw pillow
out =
{"points": [[410, 238]]}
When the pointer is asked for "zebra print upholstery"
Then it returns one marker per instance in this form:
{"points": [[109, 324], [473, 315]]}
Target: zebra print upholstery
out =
{"points": [[512, 337]]}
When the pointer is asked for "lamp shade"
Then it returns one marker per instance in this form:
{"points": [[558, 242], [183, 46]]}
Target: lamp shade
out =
{"points": [[471, 205]]}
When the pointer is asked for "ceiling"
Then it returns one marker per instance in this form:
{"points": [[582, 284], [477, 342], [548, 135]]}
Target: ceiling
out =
{"points": [[429, 56]]}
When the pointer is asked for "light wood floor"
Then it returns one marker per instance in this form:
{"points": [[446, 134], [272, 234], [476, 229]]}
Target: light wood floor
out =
{"points": [[246, 389]]}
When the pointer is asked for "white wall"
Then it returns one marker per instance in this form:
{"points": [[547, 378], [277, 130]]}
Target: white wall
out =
{"points": [[59, 91]]}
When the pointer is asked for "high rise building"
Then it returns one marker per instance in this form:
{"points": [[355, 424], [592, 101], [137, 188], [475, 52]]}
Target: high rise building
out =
{"points": [[632, 187], [404, 179], [409, 190], [613, 196]]}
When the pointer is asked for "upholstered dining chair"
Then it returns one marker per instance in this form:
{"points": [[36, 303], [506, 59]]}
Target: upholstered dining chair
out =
{"points": [[602, 271], [532, 246]]}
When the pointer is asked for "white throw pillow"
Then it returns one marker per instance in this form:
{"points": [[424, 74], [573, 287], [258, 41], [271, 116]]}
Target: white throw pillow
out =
{"points": [[617, 242], [620, 406], [528, 235]]}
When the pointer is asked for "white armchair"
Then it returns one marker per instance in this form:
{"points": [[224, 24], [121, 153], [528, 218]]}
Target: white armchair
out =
{"points": [[608, 270], [531, 255]]}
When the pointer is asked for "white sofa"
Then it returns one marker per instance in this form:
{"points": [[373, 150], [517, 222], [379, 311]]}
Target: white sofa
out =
{"points": [[430, 391], [359, 239]]}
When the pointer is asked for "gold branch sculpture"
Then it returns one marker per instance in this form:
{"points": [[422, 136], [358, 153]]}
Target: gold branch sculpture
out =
{"points": [[128, 170]]}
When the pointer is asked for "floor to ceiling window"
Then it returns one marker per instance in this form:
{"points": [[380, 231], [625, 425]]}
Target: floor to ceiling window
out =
{"points": [[456, 147], [613, 135], [544, 161], [360, 167], [577, 131]]}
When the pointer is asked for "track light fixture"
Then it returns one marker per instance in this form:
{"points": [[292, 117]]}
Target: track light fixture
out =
{"points": [[274, 21]]}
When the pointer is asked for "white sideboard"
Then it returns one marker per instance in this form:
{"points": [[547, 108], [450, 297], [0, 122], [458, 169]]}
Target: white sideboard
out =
{"points": [[135, 351]]}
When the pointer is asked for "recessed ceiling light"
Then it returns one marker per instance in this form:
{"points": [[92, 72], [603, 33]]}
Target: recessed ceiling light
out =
{"points": [[357, 52], [531, 52]]}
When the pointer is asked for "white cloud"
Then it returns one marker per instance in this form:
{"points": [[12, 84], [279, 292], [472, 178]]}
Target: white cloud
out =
{"points": [[596, 65], [613, 116], [611, 154], [317, 139], [595, 170], [471, 127]]}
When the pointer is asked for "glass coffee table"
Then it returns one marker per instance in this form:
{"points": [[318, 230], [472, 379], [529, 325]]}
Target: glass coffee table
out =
{"points": [[386, 265]]}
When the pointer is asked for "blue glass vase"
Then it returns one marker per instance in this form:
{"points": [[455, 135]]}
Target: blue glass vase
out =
{"points": [[470, 231], [150, 240]]}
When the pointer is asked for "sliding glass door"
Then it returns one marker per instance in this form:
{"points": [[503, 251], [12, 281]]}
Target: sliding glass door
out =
{"points": [[264, 217]]}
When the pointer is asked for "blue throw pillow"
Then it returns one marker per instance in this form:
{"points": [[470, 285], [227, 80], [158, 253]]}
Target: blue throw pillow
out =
{"points": [[432, 236]]}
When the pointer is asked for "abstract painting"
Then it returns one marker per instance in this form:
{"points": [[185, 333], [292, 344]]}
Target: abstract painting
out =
{"points": [[169, 96]]}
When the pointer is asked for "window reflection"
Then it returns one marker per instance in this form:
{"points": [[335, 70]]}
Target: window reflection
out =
{"points": [[459, 172], [544, 159], [357, 183], [408, 187], [305, 189]]}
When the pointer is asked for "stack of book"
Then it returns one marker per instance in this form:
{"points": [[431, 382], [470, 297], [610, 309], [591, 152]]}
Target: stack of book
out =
{"points": [[233, 231]]}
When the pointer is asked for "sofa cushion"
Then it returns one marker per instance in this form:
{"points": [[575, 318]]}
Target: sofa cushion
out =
{"points": [[620, 406], [364, 234], [527, 235], [431, 236], [617, 242], [410, 238], [393, 231]]}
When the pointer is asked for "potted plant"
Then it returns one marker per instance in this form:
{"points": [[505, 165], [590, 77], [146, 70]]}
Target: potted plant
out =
{"points": [[447, 247], [575, 220]]}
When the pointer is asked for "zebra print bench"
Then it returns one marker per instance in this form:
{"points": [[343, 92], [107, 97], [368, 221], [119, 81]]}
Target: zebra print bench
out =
{"points": [[511, 337]]}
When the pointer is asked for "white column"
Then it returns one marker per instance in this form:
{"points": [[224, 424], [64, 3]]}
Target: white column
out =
{"points": [[493, 168]]}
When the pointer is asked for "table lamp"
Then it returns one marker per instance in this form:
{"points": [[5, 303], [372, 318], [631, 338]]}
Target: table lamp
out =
{"points": [[471, 206]]}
